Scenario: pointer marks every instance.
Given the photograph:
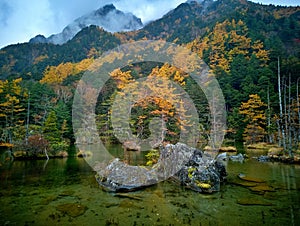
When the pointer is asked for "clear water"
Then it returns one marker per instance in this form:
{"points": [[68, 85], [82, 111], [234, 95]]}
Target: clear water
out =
{"points": [[31, 193]]}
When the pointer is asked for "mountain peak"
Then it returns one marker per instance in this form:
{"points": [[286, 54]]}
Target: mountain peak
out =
{"points": [[105, 9], [108, 17]]}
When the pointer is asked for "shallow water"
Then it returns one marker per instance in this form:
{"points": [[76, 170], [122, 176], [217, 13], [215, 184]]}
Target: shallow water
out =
{"points": [[35, 192]]}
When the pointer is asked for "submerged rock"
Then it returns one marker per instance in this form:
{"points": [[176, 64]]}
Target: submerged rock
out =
{"points": [[251, 179], [190, 166], [262, 188], [244, 183], [72, 209], [253, 201]]}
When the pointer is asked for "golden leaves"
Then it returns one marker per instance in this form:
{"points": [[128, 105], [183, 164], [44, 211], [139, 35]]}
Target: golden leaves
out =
{"points": [[227, 40], [10, 98], [121, 78], [57, 74], [255, 117]]}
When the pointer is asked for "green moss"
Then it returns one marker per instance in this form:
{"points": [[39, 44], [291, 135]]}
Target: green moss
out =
{"points": [[190, 172], [203, 185], [152, 157]]}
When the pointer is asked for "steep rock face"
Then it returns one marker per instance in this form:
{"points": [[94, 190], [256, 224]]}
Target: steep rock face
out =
{"points": [[107, 17]]}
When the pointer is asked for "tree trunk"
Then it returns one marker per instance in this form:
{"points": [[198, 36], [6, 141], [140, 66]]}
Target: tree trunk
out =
{"points": [[298, 110], [45, 150], [269, 117], [282, 135], [290, 145]]}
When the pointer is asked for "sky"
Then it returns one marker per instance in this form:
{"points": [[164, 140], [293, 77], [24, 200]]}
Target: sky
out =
{"points": [[21, 20]]}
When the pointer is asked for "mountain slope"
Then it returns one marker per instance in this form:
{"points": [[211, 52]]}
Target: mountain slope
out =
{"points": [[29, 60], [191, 20], [277, 27]]}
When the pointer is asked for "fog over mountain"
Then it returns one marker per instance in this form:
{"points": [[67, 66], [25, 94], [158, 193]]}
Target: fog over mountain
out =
{"points": [[107, 17]]}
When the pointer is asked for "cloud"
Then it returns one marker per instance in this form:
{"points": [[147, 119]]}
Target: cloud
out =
{"points": [[148, 10], [21, 20]]}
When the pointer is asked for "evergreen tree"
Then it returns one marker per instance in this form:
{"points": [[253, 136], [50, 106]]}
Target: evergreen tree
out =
{"points": [[50, 129]]}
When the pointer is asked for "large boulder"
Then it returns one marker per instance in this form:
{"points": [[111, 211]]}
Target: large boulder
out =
{"points": [[190, 166], [202, 173], [119, 176]]}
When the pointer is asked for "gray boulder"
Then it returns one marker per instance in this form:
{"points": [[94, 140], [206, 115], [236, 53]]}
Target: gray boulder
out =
{"points": [[190, 166], [202, 173], [237, 158]]}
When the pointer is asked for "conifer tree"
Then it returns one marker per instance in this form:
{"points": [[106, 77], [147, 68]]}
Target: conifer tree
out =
{"points": [[50, 130]]}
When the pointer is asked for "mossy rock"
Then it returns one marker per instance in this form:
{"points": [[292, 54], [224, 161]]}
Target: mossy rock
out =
{"points": [[72, 209]]}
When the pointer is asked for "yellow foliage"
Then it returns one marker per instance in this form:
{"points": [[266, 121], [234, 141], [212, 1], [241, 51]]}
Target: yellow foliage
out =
{"points": [[10, 102], [121, 78], [156, 90], [225, 41], [170, 72], [83, 65], [57, 74], [255, 117]]}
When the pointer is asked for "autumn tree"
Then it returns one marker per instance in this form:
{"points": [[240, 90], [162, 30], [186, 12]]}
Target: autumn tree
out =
{"points": [[11, 108], [255, 119], [157, 97], [37, 144]]}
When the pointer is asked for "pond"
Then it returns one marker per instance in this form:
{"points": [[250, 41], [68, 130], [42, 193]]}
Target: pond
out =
{"points": [[64, 192]]}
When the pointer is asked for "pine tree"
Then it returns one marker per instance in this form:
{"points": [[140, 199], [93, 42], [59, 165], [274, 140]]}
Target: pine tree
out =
{"points": [[50, 130]]}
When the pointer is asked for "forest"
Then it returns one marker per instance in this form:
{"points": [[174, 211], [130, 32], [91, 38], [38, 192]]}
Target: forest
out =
{"points": [[251, 49]]}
